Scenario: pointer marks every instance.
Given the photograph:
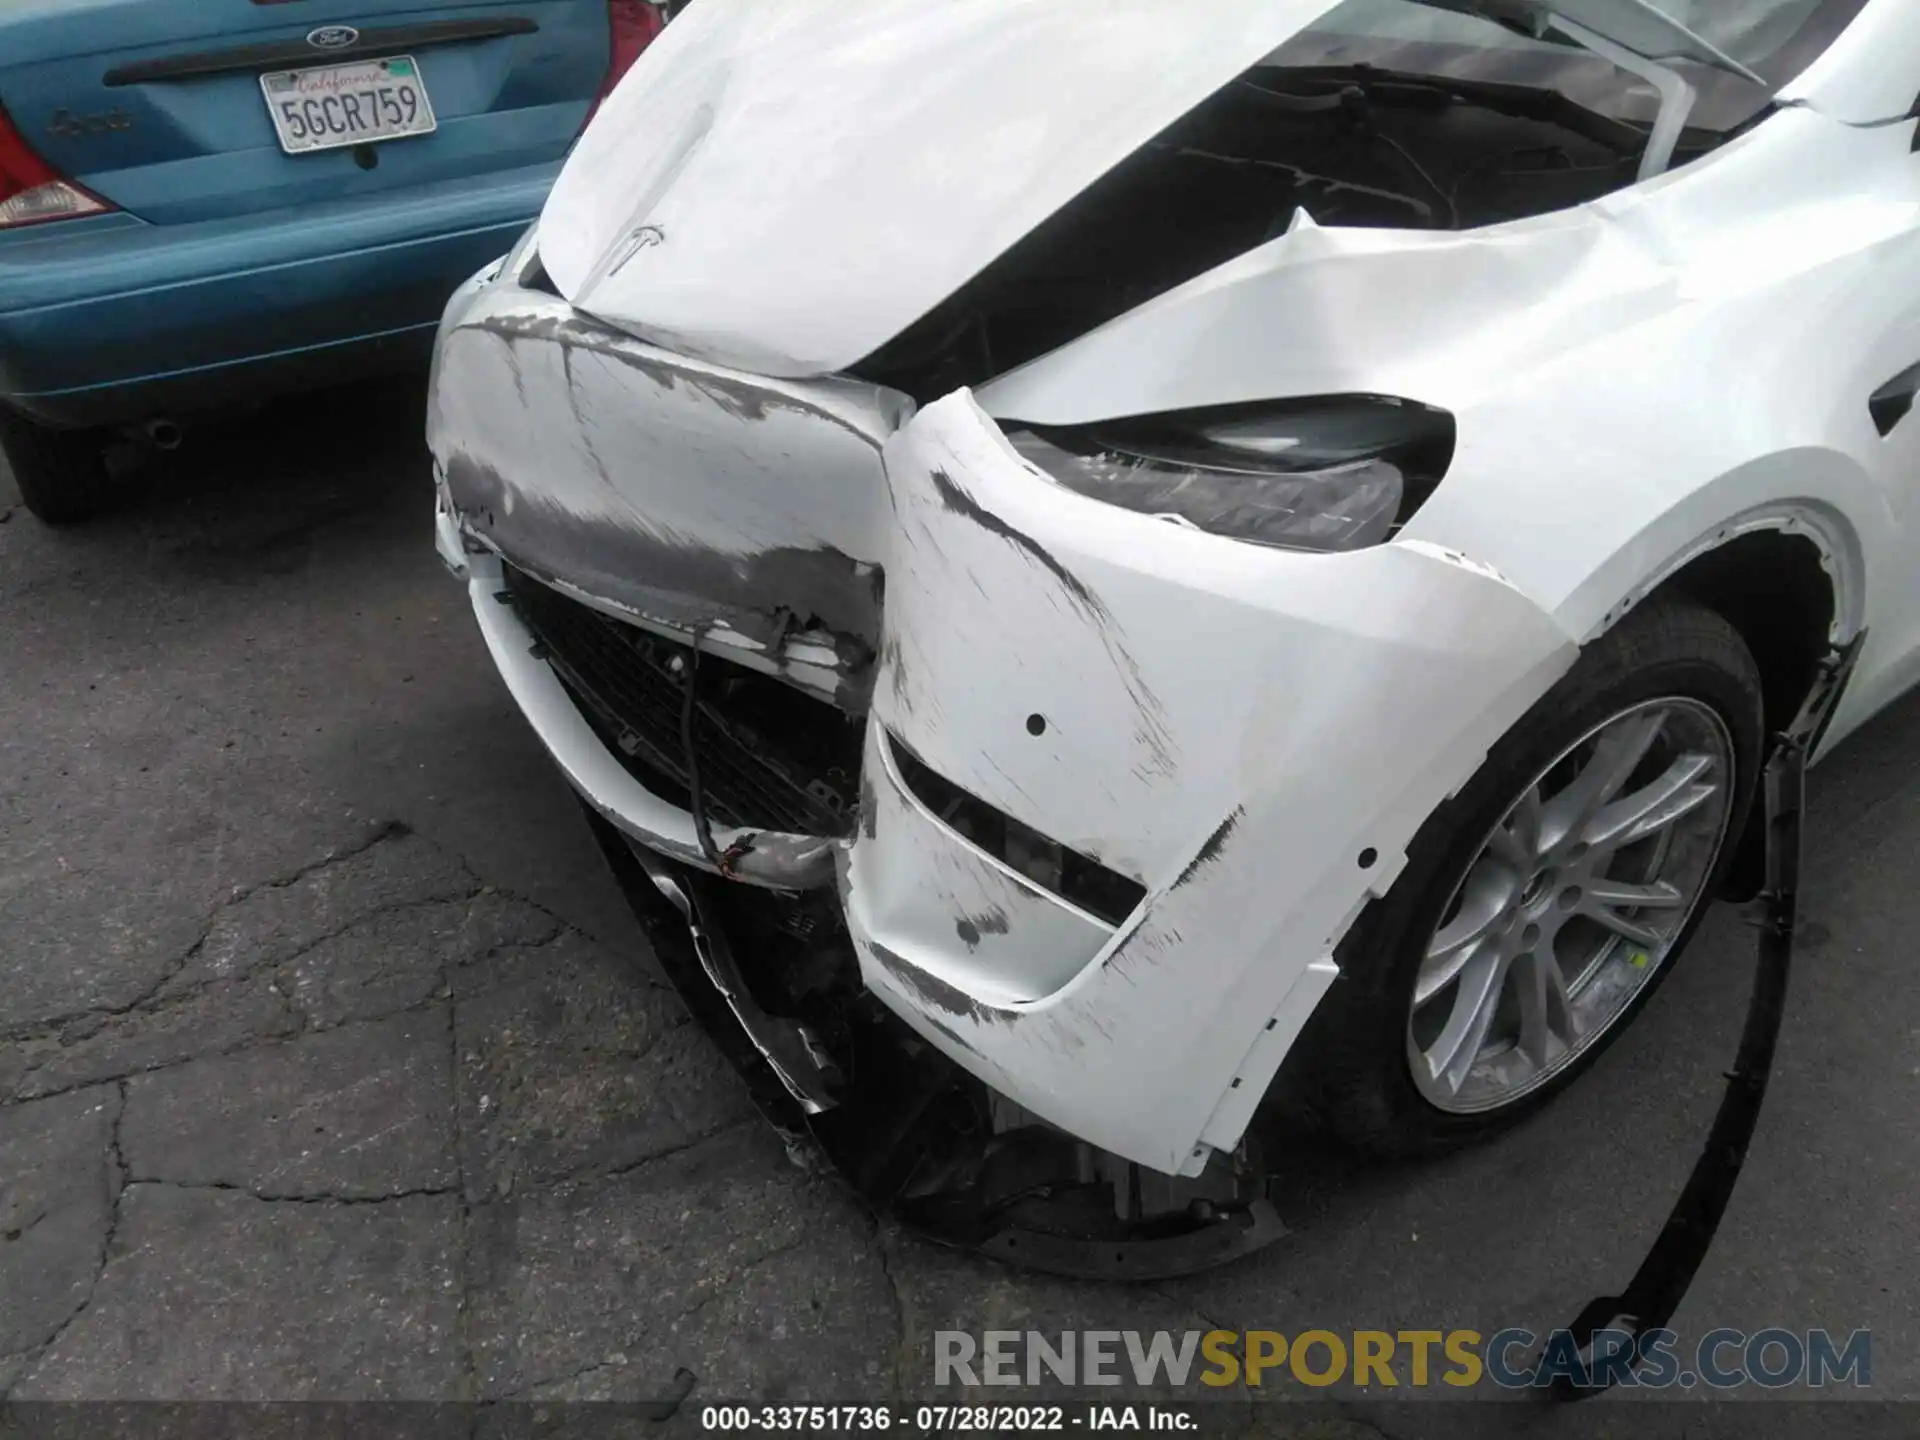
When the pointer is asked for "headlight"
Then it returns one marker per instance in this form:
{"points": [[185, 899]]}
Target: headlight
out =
{"points": [[1335, 473]]}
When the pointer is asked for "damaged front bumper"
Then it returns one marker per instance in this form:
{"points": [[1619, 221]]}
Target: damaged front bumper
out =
{"points": [[784, 861], [1250, 736], [1120, 786]]}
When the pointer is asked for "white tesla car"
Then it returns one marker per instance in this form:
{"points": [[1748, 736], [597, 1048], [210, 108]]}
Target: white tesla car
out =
{"points": [[1160, 540]]}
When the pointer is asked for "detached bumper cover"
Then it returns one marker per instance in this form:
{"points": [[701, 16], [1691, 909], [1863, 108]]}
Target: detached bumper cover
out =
{"points": [[1246, 738]]}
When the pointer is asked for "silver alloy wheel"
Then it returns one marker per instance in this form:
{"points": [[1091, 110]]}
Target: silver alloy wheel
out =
{"points": [[1571, 905]]}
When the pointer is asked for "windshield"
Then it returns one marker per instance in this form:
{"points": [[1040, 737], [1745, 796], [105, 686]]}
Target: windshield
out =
{"points": [[1776, 39]]}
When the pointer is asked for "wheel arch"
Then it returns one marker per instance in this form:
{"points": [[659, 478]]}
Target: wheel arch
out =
{"points": [[1790, 578]]}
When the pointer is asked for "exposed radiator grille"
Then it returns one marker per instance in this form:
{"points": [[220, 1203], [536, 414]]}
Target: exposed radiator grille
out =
{"points": [[770, 757]]}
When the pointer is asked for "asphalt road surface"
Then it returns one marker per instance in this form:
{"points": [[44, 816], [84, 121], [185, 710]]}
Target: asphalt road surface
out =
{"points": [[333, 1067]]}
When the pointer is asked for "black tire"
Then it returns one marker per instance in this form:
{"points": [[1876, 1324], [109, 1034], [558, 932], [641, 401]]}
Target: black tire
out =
{"points": [[62, 474], [1351, 1066]]}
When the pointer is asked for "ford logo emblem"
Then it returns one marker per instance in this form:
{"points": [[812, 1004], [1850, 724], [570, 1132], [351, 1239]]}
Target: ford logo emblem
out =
{"points": [[333, 37]]}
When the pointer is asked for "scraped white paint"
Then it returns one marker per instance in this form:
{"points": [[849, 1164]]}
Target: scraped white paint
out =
{"points": [[622, 433]]}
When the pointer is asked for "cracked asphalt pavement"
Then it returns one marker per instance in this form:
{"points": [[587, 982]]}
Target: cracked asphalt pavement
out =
{"points": [[332, 1067]]}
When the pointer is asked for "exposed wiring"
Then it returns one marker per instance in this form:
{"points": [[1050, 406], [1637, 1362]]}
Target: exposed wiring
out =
{"points": [[721, 860], [690, 695]]}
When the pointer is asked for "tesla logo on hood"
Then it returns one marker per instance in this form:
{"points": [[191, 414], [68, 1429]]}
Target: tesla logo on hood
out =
{"points": [[332, 37], [645, 238]]}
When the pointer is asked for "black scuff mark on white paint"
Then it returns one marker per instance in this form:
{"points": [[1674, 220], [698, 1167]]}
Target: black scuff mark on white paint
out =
{"points": [[971, 928], [1211, 850], [964, 505], [1150, 729], [932, 991]]}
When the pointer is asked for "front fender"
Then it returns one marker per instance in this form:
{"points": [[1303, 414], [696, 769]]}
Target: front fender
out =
{"points": [[1252, 735]]}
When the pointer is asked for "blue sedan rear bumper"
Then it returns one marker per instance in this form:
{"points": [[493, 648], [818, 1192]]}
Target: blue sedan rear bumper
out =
{"points": [[113, 320]]}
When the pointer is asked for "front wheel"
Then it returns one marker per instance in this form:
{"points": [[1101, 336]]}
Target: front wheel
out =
{"points": [[1542, 905]]}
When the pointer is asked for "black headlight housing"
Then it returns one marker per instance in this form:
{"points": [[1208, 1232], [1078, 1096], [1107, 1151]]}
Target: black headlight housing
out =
{"points": [[1328, 473]]}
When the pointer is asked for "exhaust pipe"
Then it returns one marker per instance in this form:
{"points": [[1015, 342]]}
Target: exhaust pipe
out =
{"points": [[163, 435]]}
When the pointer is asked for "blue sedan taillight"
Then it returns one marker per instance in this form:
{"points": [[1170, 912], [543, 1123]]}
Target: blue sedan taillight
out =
{"points": [[635, 24], [32, 192]]}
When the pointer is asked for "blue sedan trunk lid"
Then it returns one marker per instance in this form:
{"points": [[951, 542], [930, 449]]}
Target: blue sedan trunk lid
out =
{"points": [[510, 84]]}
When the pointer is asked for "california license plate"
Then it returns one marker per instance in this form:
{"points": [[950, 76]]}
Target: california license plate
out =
{"points": [[328, 106]]}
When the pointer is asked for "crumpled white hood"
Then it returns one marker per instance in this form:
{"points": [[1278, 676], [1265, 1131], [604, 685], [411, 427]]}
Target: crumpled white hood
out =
{"points": [[784, 185]]}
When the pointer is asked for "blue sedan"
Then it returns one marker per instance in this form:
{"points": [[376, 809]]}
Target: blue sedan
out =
{"points": [[210, 200]]}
